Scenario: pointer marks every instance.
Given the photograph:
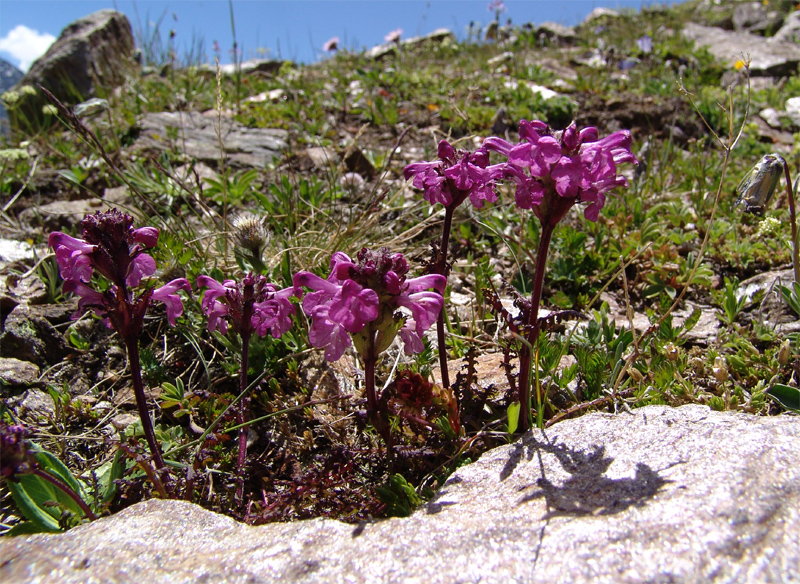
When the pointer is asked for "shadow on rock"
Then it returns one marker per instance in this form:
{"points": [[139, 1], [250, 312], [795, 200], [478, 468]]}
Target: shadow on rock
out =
{"points": [[587, 491]]}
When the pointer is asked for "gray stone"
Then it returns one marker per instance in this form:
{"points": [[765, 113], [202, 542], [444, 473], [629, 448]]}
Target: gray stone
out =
{"points": [[658, 495], [754, 17], [16, 288], [439, 36], [61, 215], [37, 404], [793, 109], [598, 13], [790, 31], [554, 31], [17, 372], [91, 53], [195, 135], [771, 117], [769, 57], [12, 250], [318, 157], [91, 108], [29, 336]]}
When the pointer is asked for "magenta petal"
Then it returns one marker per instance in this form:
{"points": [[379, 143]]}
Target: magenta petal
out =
{"points": [[168, 295], [435, 281], [142, 266], [425, 308], [412, 343], [147, 236], [445, 151]]}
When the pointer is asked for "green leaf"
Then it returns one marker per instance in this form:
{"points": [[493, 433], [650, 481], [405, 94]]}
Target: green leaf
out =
{"points": [[24, 528], [787, 396], [31, 494], [513, 417]]}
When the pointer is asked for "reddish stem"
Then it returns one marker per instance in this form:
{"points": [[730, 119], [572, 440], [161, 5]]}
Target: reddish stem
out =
{"points": [[793, 214], [441, 268], [132, 345], [67, 490], [532, 327]]}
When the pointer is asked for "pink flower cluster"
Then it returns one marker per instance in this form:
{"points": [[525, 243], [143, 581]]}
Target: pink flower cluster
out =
{"points": [[457, 174], [253, 305], [365, 295], [112, 247], [572, 164]]}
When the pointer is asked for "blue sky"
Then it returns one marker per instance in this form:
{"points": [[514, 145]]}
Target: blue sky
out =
{"points": [[290, 29]]}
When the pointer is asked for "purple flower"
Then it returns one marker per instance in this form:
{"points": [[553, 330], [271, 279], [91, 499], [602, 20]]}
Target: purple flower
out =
{"points": [[497, 7], [645, 43], [252, 305], [457, 175], [572, 165], [363, 298], [112, 247], [16, 457]]}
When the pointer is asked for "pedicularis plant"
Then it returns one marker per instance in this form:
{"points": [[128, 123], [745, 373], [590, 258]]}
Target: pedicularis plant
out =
{"points": [[552, 171], [367, 302], [113, 248]]}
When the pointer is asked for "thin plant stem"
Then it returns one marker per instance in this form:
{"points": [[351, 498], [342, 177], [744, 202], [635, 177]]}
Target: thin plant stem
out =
{"points": [[67, 490], [242, 416], [793, 215], [532, 326], [441, 268], [132, 345]]}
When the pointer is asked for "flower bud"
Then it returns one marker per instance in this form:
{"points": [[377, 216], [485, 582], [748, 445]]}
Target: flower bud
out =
{"points": [[757, 188], [720, 370], [784, 353]]}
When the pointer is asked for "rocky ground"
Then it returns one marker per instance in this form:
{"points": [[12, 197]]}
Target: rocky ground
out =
{"points": [[287, 137]]}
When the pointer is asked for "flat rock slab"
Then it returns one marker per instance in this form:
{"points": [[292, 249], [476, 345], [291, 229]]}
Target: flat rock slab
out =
{"points": [[196, 135], [769, 57], [658, 495]]}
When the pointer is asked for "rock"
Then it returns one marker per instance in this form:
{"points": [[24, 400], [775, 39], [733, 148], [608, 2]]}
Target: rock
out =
{"points": [[793, 109], [20, 288], [658, 495], [754, 17], [266, 66], [12, 250], [38, 404], [197, 137], [790, 31], [91, 108], [598, 13], [770, 57], [771, 117], [29, 336], [439, 36], [61, 215], [317, 157], [592, 58], [92, 53], [356, 161], [9, 76], [17, 372], [506, 57], [553, 31], [771, 309]]}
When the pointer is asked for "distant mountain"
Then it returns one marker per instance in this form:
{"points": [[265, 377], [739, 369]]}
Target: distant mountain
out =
{"points": [[9, 77]]}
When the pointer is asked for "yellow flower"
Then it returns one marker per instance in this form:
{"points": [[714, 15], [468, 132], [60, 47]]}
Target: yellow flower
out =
{"points": [[738, 65]]}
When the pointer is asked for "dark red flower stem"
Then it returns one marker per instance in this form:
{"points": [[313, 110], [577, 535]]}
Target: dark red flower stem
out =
{"points": [[132, 345], [441, 268], [67, 490], [793, 215], [374, 411], [532, 328], [243, 414]]}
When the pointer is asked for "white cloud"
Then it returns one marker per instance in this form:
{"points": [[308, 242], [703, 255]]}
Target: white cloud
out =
{"points": [[25, 45]]}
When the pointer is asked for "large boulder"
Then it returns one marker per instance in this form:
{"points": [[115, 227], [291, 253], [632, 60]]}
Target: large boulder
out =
{"points": [[657, 495], [9, 76], [769, 57], [92, 55]]}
